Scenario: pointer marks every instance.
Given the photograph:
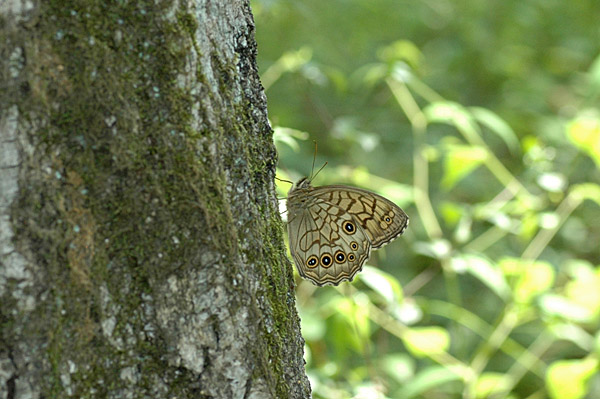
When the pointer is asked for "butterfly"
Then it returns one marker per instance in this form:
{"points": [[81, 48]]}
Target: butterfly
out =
{"points": [[332, 229]]}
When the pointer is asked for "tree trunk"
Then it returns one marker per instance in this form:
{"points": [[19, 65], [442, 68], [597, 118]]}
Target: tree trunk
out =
{"points": [[141, 247]]}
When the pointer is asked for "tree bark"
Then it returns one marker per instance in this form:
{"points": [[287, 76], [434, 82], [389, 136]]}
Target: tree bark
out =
{"points": [[141, 247]]}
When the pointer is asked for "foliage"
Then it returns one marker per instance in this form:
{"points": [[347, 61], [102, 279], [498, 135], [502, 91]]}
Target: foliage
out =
{"points": [[481, 120]]}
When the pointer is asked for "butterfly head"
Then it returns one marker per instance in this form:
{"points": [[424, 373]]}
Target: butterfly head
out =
{"points": [[299, 195], [302, 184]]}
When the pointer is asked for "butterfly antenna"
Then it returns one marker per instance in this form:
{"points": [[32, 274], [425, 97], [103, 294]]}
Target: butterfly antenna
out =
{"points": [[283, 180], [314, 159], [320, 169]]}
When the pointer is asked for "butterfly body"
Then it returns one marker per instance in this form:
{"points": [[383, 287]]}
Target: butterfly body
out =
{"points": [[332, 229]]}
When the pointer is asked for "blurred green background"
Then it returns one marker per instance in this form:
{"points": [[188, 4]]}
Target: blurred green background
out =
{"points": [[481, 119]]}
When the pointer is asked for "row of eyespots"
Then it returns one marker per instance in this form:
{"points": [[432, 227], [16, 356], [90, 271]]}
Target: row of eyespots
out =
{"points": [[327, 260]]}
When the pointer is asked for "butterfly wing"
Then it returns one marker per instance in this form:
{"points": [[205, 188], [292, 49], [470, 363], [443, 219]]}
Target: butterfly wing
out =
{"points": [[326, 243], [379, 218]]}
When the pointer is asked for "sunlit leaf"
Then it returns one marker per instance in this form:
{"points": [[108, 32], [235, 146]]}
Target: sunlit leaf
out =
{"points": [[423, 341], [569, 331], [399, 366], [369, 391], [568, 379], [558, 305], [435, 249], [537, 278], [313, 325], [464, 229], [401, 50], [584, 132], [486, 272], [290, 61], [489, 384], [288, 136], [350, 321], [383, 283], [585, 291], [530, 224], [361, 315], [371, 74], [585, 191], [451, 212], [337, 77], [553, 182], [401, 72], [533, 277], [429, 378], [450, 113], [457, 116], [408, 312], [459, 161]]}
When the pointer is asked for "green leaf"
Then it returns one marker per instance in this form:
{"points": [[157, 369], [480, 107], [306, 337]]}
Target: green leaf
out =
{"points": [[537, 278], [401, 50], [438, 249], [584, 132], [288, 136], [594, 75], [558, 305], [383, 283], [427, 379], [451, 212], [456, 115], [371, 74], [290, 61], [399, 366], [584, 290], [534, 278], [423, 341], [491, 383], [352, 315], [313, 325], [450, 113], [486, 272], [572, 332], [568, 379], [460, 160], [498, 126], [342, 339], [590, 191]]}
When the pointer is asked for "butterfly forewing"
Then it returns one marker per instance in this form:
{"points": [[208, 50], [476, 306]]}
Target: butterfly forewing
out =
{"points": [[379, 217]]}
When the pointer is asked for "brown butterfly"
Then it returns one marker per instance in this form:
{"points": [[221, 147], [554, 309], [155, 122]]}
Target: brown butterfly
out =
{"points": [[332, 229]]}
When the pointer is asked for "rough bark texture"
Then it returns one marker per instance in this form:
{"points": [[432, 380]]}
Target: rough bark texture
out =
{"points": [[140, 243]]}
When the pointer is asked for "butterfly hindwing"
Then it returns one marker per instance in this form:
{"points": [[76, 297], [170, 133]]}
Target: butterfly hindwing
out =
{"points": [[330, 246]]}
